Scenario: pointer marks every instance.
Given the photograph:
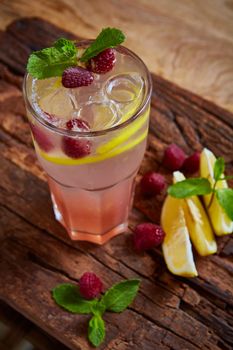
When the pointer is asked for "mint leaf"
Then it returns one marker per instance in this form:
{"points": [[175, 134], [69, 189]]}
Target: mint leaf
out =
{"points": [[118, 297], [228, 177], [96, 330], [219, 167], [67, 296], [99, 308], [109, 37], [52, 61], [225, 198], [190, 187]]}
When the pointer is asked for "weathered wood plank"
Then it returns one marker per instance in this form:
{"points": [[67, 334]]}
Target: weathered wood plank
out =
{"points": [[35, 253]]}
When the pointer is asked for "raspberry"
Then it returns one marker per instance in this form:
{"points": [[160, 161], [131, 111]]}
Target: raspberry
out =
{"points": [[73, 77], [77, 124], [192, 163], [41, 138], [75, 148], [174, 157], [147, 236], [152, 183], [90, 285], [103, 62]]}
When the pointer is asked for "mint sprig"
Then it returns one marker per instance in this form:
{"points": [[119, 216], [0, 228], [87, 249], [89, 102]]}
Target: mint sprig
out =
{"points": [[52, 61], [115, 299], [202, 186], [108, 37], [190, 187]]}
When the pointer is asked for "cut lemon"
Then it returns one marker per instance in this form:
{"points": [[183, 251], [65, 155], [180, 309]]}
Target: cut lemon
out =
{"points": [[199, 228], [124, 134], [61, 160], [176, 246], [221, 223]]}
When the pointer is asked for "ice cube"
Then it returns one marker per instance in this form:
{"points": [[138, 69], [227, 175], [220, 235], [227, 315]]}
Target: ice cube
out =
{"points": [[51, 98], [124, 88], [126, 91], [99, 115]]}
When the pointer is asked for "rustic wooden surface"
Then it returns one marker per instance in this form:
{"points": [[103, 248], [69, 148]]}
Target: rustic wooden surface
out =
{"points": [[35, 253], [19, 333], [188, 42]]}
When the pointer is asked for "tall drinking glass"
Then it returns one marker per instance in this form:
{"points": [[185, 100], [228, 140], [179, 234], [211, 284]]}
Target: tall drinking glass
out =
{"points": [[91, 171]]}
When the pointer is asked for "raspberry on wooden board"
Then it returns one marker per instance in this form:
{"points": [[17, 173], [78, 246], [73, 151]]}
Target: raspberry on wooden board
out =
{"points": [[90, 285]]}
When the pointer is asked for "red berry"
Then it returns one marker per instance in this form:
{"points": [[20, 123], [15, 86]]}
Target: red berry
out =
{"points": [[152, 183], [76, 148], [147, 236], [90, 285], [77, 124], [103, 62], [192, 163], [73, 77], [174, 157], [41, 138]]}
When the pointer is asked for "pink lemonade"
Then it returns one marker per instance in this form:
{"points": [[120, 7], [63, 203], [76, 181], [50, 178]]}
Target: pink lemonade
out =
{"points": [[92, 186]]}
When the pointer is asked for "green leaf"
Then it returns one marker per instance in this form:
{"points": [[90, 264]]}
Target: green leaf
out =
{"points": [[52, 61], [228, 177], [225, 198], [108, 37], [118, 297], [99, 308], [190, 187], [96, 330], [219, 167], [67, 296]]}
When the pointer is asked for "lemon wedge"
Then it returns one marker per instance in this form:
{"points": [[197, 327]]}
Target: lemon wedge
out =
{"points": [[176, 246], [221, 223], [197, 221]]}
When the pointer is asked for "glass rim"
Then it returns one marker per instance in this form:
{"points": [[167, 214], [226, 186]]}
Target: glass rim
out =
{"points": [[62, 131]]}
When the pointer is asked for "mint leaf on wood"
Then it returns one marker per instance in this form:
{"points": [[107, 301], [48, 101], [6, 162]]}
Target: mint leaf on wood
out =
{"points": [[219, 167], [67, 296], [225, 198], [52, 61], [118, 297], [190, 187], [96, 330], [108, 37]]}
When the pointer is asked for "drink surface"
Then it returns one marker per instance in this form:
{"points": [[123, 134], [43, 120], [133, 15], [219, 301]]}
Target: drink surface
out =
{"points": [[109, 101]]}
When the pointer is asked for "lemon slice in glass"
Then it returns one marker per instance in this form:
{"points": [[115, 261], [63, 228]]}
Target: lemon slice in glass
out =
{"points": [[62, 160], [176, 246], [197, 221], [221, 223]]}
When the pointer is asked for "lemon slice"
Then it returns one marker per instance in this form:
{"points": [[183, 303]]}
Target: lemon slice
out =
{"points": [[199, 228], [221, 223], [61, 160], [176, 246], [124, 134]]}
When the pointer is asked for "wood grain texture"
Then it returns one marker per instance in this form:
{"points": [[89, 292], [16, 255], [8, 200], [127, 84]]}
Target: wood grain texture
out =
{"points": [[169, 313], [188, 42], [18, 330]]}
